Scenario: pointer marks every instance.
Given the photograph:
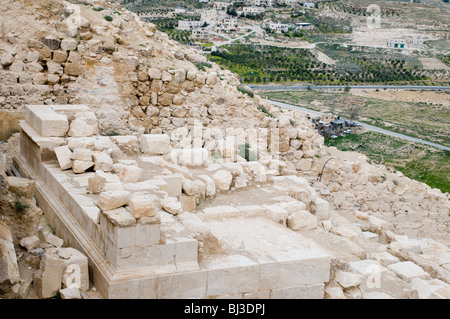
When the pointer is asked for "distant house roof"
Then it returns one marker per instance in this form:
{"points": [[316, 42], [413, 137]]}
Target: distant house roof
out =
{"points": [[338, 122]]}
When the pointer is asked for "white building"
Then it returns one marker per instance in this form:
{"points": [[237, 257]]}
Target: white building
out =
{"points": [[203, 34], [309, 5], [180, 10], [251, 10], [263, 3], [397, 43], [221, 5], [188, 24], [209, 16], [278, 27], [227, 24]]}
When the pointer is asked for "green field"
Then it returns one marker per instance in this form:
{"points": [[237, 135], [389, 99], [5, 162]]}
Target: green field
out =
{"points": [[422, 163], [430, 122]]}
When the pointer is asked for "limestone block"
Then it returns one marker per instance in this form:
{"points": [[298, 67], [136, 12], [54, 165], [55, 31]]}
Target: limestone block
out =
{"points": [[30, 242], [127, 173], [219, 212], [75, 265], [93, 213], [59, 56], [69, 44], [155, 144], [347, 232], [9, 270], [334, 293], [47, 280], [70, 293], [195, 187], [119, 217], [408, 270], [302, 220], [45, 121], [179, 75], [73, 69], [49, 238], [222, 180], [232, 274], [97, 184], [280, 215], [63, 155], [174, 184], [172, 205], [82, 154], [252, 211], [147, 233], [54, 68], [155, 74], [128, 143], [193, 157], [21, 186], [143, 205], [321, 208], [210, 185], [188, 202], [103, 161], [111, 200], [386, 259], [80, 127], [348, 279], [80, 167]]}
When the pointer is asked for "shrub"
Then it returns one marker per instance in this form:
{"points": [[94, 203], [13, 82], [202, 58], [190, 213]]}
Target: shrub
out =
{"points": [[108, 18], [20, 207]]}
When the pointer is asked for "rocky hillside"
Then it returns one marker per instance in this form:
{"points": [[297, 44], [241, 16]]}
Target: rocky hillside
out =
{"points": [[136, 80]]}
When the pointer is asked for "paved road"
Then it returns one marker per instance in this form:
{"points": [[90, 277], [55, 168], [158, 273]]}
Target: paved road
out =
{"points": [[371, 127], [336, 87]]}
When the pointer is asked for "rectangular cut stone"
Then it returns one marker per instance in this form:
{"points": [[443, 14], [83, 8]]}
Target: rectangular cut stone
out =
{"points": [[143, 206], [174, 184], [188, 203], [232, 274], [193, 157], [45, 121], [63, 154], [147, 234], [185, 285], [155, 144], [221, 212]]}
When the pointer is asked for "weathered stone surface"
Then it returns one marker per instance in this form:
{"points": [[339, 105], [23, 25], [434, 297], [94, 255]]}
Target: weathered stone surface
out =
{"points": [[64, 157], [30, 242], [302, 220], [80, 167], [70, 293], [112, 200], [102, 161], [143, 205], [21, 186], [121, 217], [97, 184], [348, 279], [222, 179], [171, 205], [9, 270], [45, 121], [155, 144], [69, 44], [82, 154], [127, 173], [408, 270], [47, 280]]}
